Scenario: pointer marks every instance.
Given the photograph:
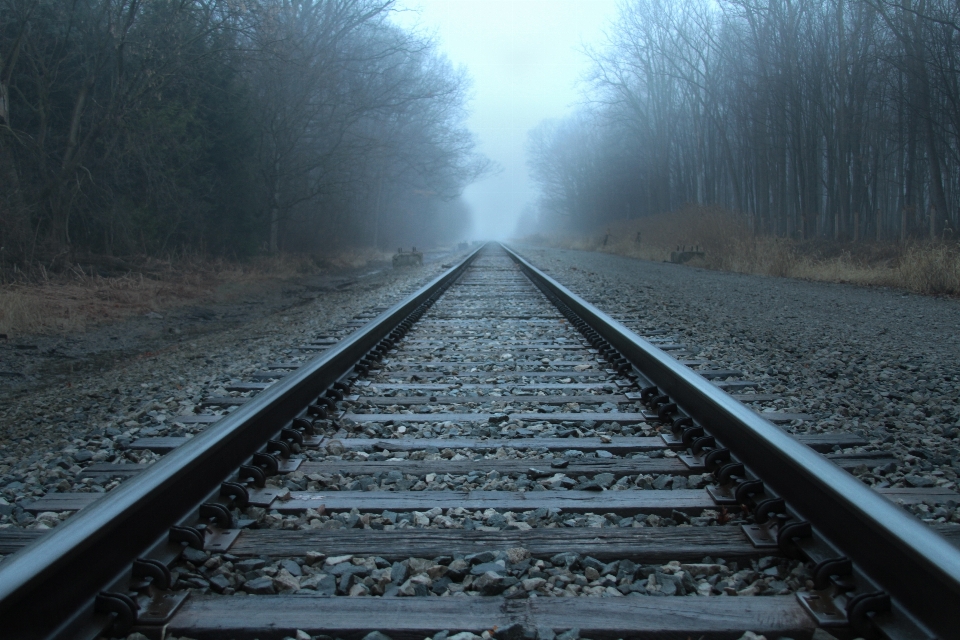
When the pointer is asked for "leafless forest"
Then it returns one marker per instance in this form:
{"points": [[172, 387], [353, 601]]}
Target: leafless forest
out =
{"points": [[814, 118], [225, 126]]}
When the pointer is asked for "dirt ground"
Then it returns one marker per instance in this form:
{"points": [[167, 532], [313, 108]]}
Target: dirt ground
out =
{"points": [[728, 244], [104, 332]]}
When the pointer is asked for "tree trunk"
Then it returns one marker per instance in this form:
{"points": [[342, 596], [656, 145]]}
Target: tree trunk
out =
{"points": [[4, 104], [275, 210], [376, 214], [14, 218]]}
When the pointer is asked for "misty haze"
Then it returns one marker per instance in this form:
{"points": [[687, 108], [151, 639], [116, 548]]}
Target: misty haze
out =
{"points": [[479, 319]]}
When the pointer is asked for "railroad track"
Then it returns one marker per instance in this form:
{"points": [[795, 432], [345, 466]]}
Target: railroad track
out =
{"points": [[491, 454]]}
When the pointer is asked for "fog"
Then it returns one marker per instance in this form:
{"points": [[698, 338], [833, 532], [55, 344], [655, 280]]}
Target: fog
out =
{"points": [[525, 60]]}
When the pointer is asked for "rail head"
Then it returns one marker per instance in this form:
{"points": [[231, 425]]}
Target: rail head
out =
{"points": [[918, 567], [48, 589]]}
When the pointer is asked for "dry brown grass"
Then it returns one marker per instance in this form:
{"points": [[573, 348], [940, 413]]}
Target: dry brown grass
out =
{"points": [[931, 269], [78, 297], [64, 304], [729, 245]]}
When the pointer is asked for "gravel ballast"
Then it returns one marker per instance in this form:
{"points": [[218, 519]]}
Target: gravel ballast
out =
{"points": [[53, 424], [810, 353], [873, 361], [511, 573]]}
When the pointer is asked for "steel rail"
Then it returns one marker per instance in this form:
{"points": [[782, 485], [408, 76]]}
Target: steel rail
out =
{"points": [[919, 568], [47, 589]]}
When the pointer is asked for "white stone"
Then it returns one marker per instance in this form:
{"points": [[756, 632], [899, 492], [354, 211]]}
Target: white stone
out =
{"points": [[532, 584], [285, 581]]}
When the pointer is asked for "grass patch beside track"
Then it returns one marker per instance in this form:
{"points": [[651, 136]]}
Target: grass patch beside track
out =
{"points": [[728, 244], [100, 289]]}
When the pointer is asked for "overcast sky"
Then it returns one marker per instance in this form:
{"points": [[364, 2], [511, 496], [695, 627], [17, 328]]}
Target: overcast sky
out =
{"points": [[524, 59]]}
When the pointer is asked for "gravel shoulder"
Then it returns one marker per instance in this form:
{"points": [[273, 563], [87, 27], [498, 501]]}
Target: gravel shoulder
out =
{"points": [[874, 361], [842, 355], [75, 395]]}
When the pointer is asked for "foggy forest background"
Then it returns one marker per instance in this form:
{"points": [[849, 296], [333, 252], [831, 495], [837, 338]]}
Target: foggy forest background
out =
{"points": [[237, 127], [224, 126], [811, 118]]}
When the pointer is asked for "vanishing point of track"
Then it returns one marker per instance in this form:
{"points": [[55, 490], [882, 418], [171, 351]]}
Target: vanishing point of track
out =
{"points": [[549, 420]]}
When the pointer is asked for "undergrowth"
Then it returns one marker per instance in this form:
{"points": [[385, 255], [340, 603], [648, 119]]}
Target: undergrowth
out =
{"points": [[94, 289], [729, 244]]}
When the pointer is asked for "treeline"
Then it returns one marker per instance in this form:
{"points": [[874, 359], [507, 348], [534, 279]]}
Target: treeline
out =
{"points": [[813, 118], [229, 126]]}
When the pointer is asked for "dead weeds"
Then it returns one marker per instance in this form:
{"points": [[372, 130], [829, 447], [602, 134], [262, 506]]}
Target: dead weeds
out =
{"points": [[95, 290], [729, 245]]}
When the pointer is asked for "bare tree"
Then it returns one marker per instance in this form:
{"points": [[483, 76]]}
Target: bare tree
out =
{"points": [[830, 118], [217, 124]]}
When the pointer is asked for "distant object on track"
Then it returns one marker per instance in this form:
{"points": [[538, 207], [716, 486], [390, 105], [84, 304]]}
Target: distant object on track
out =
{"points": [[684, 254], [410, 259]]}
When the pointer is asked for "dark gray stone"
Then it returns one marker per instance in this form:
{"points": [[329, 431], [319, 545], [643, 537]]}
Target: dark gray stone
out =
{"points": [[250, 564], [198, 583], [399, 573], [497, 520], [439, 586], [391, 591], [661, 482], [919, 481], [219, 583], [327, 586], [480, 569], [670, 584], [567, 559], [196, 556], [626, 569], [515, 631], [346, 581], [83, 456], [490, 584], [347, 567], [545, 633], [292, 567], [259, 586], [480, 558]]}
